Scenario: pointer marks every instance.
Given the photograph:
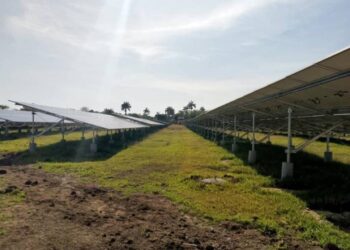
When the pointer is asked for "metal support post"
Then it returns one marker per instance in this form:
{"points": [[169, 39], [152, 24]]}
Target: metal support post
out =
{"points": [[328, 155], [234, 144], [268, 139], [6, 128], [215, 131], [62, 130], [223, 133], [287, 167], [207, 130], [93, 145], [83, 133], [252, 152], [32, 145], [111, 141], [123, 138]]}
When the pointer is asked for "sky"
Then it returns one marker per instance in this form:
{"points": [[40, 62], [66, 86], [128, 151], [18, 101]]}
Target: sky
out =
{"points": [[159, 53]]}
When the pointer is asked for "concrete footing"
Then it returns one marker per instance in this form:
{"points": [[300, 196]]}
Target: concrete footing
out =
{"points": [[93, 147], [287, 170], [32, 147], [328, 156], [252, 156]]}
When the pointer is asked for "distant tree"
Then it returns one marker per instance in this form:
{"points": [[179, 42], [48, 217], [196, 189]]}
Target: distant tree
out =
{"points": [[191, 105], [4, 106], [170, 111], [126, 107], [188, 112], [108, 111], [146, 112], [92, 111], [161, 117], [85, 109]]}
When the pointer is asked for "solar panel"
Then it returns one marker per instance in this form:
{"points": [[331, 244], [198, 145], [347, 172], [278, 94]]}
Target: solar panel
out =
{"points": [[320, 91], [145, 121], [20, 116], [141, 120], [93, 119]]}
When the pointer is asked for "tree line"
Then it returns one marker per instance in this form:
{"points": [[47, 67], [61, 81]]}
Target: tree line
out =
{"points": [[187, 112]]}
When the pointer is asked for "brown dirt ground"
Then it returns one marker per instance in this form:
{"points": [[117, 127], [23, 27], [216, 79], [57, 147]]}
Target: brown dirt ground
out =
{"points": [[61, 213]]}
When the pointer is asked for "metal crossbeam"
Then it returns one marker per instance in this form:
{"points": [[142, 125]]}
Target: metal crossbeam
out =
{"points": [[271, 133], [47, 129], [302, 146]]}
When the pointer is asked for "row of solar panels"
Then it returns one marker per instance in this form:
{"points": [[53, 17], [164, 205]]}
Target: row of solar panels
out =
{"points": [[319, 96], [46, 114]]}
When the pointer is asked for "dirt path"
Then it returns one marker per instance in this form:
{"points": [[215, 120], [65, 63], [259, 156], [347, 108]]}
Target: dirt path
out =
{"points": [[60, 213]]}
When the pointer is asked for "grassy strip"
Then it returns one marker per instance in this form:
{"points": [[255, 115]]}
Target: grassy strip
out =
{"points": [[171, 161]]}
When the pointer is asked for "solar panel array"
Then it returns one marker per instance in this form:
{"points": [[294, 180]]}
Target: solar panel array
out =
{"points": [[141, 120], [20, 116], [145, 121], [97, 120], [319, 96]]}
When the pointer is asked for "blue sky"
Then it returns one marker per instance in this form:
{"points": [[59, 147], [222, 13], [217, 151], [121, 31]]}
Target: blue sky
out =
{"points": [[157, 53]]}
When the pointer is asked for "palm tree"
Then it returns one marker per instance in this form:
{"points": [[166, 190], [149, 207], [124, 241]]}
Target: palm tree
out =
{"points": [[191, 105], [126, 107], [146, 112], [170, 111]]}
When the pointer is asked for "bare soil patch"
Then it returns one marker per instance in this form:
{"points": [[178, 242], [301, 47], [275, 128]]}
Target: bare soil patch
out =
{"points": [[61, 213]]}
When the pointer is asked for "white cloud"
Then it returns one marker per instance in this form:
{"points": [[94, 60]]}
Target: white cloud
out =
{"points": [[108, 28], [211, 51], [220, 18]]}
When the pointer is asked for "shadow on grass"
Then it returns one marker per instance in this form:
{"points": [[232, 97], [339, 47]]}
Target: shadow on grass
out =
{"points": [[323, 186], [78, 150]]}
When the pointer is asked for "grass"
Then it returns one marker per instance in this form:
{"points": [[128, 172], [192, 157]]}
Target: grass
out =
{"points": [[171, 161], [340, 149], [21, 144], [7, 200], [322, 185]]}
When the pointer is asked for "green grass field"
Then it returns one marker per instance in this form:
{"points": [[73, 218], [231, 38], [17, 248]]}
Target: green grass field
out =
{"points": [[171, 161], [21, 144], [340, 150]]}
